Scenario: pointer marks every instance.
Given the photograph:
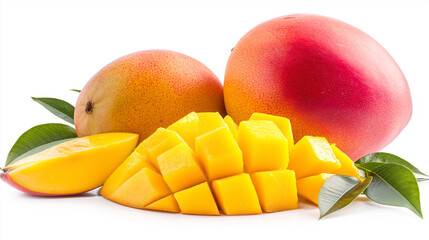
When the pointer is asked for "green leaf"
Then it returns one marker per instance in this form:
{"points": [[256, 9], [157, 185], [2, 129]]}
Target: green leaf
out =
{"points": [[339, 191], [38, 136], [390, 158], [59, 108], [393, 185], [75, 90]]}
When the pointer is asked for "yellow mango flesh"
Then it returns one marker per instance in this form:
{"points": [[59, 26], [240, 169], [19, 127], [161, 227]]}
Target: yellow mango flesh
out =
{"points": [[75, 166], [187, 128], [219, 154], [143, 188], [263, 146], [236, 195], [311, 156], [158, 143], [209, 121], [197, 200], [166, 204], [276, 190], [282, 123], [133, 164], [309, 187], [232, 126], [179, 168], [347, 165]]}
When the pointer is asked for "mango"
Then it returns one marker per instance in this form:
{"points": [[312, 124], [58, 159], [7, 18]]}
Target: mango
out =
{"points": [[236, 195], [187, 128], [197, 200], [311, 156], [232, 126], [282, 123], [219, 154], [72, 167], [276, 190], [328, 77], [209, 121], [309, 187], [166, 204], [347, 165], [143, 91], [263, 145]]}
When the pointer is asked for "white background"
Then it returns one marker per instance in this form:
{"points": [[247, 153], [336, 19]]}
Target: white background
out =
{"points": [[48, 47]]}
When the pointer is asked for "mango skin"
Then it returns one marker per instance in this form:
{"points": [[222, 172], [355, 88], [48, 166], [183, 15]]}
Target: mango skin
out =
{"points": [[145, 90], [329, 78]]}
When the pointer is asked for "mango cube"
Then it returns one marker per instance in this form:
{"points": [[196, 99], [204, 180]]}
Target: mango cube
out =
{"points": [[166, 204], [179, 168], [282, 123], [219, 154], [232, 126], [263, 145], [143, 188], [276, 190], [209, 121], [311, 156], [157, 143], [347, 165], [187, 128], [309, 187], [236, 195], [197, 200]]}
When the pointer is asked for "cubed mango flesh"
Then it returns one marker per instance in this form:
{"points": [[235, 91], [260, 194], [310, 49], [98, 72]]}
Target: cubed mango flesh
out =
{"points": [[232, 126], [282, 123], [179, 168], [157, 143], [219, 154], [309, 187], [209, 121], [263, 146], [166, 204], [197, 200], [236, 195], [276, 190], [311, 156], [187, 128], [143, 188], [347, 165]]}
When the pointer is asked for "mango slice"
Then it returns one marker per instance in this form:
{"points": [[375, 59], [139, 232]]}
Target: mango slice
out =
{"points": [[309, 187], [263, 145], [179, 168], [236, 195], [232, 126], [71, 167], [158, 143], [143, 188], [209, 121], [282, 123], [311, 156], [276, 190], [166, 204], [197, 200], [347, 165], [219, 154], [187, 128]]}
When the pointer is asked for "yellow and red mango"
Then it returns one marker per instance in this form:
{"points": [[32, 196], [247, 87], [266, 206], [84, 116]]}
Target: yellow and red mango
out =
{"points": [[328, 77]]}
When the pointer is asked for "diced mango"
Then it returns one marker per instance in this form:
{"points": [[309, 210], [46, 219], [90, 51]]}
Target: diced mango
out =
{"points": [[276, 190], [309, 187], [347, 165], [197, 200], [187, 128], [282, 123], [166, 204], [219, 154], [232, 126], [236, 195], [157, 143], [209, 121], [311, 156], [133, 164], [179, 168], [263, 146], [143, 188]]}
